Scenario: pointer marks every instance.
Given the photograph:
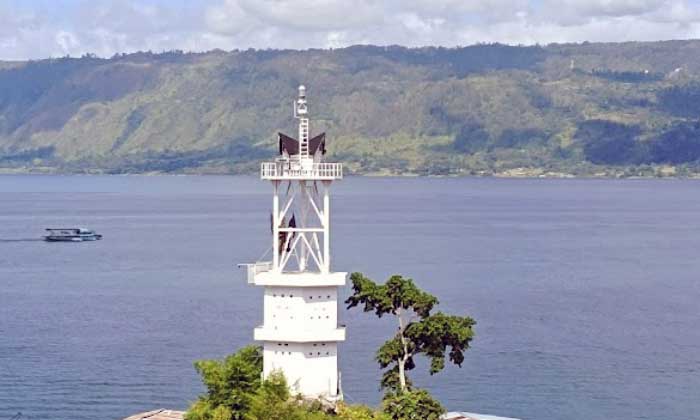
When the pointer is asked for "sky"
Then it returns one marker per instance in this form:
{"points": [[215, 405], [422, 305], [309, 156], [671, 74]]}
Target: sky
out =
{"points": [[32, 29]]}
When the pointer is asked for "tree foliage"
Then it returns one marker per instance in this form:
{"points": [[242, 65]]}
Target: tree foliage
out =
{"points": [[231, 385], [235, 391], [272, 400], [437, 336], [679, 144], [682, 100], [412, 405], [471, 138], [359, 412], [609, 142]]}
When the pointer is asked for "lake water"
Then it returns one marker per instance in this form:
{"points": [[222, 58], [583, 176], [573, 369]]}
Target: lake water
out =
{"points": [[586, 292]]}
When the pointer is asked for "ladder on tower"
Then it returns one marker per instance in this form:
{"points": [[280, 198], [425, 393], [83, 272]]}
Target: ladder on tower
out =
{"points": [[304, 138]]}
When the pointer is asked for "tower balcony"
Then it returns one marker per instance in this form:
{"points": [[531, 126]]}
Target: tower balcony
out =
{"points": [[298, 335], [262, 274], [300, 169], [253, 269]]}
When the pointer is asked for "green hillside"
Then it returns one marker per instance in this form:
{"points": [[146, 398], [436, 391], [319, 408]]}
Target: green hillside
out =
{"points": [[585, 109]]}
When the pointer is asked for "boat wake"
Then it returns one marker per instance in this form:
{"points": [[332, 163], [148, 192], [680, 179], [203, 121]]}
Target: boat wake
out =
{"points": [[21, 240]]}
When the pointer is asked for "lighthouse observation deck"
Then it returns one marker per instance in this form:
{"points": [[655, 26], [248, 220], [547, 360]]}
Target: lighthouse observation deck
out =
{"points": [[293, 169]]}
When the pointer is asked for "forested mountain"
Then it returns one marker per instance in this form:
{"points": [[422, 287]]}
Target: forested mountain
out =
{"points": [[584, 109]]}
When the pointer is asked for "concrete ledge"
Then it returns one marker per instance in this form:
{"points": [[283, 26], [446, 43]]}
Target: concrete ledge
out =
{"points": [[269, 278], [302, 336]]}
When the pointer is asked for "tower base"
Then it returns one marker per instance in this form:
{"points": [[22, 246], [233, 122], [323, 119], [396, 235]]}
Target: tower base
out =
{"points": [[311, 369]]}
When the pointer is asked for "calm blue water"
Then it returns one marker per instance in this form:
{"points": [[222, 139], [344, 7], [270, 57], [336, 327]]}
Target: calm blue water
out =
{"points": [[585, 291]]}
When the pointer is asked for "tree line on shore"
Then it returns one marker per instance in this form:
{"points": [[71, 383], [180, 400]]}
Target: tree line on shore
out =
{"points": [[481, 109]]}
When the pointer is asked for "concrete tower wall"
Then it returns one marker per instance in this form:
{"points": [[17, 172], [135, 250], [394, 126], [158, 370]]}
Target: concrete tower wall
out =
{"points": [[310, 368], [305, 308]]}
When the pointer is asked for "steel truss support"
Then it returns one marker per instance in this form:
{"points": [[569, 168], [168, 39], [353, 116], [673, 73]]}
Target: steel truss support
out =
{"points": [[310, 208]]}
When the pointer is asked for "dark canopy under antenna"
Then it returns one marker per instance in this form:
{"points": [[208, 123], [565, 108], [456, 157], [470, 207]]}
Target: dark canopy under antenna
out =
{"points": [[291, 145]]}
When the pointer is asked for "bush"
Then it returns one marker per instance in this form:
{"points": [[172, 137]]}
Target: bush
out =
{"points": [[416, 404], [272, 401], [360, 412], [236, 392], [231, 385]]}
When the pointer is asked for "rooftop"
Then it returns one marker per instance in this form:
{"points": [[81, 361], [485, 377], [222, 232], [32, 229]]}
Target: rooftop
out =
{"points": [[160, 414]]}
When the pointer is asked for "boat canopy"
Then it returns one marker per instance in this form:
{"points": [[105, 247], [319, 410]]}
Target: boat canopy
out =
{"points": [[75, 230]]}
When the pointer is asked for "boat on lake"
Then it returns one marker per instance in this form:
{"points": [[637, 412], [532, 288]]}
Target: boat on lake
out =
{"points": [[71, 235]]}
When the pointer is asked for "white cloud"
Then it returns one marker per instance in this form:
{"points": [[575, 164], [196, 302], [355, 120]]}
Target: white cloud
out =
{"points": [[229, 18], [66, 41], [109, 26], [581, 12], [314, 15]]}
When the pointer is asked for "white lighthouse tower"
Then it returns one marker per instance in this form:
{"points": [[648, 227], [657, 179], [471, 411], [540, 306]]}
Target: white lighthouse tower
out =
{"points": [[300, 331]]}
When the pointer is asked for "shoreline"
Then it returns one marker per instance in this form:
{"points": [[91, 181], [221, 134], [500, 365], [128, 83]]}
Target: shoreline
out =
{"points": [[531, 175]]}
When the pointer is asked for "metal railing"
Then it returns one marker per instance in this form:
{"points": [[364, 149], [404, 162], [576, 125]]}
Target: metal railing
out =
{"points": [[296, 169]]}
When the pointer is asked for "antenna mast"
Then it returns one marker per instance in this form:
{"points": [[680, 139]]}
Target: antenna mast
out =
{"points": [[301, 113]]}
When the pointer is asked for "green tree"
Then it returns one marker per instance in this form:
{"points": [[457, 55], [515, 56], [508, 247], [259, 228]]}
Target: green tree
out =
{"points": [[231, 385], [419, 332]]}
